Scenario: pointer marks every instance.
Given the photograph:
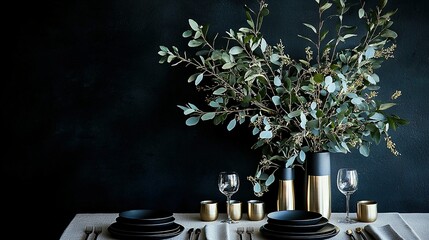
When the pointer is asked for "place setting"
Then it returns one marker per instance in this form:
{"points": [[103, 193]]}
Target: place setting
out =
{"points": [[145, 224], [297, 224]]}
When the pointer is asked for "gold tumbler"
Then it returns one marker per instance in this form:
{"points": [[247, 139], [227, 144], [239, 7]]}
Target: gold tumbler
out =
{"points": [[208, 210], [366, 211]]}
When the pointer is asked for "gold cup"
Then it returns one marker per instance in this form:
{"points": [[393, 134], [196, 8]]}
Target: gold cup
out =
{"points": [[235, 209], [255, 210], [208, 210], [366, 211]]}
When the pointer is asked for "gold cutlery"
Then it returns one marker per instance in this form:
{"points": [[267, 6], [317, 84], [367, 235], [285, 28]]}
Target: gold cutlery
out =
{"points": [[350, 233], [359, 231], [240, 231], [250, 231], [88, 231]]}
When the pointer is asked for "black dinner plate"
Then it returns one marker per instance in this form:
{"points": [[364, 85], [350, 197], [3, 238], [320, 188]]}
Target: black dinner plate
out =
{"points": [[324, 230], [146, 216], [122, 235], [119, 227], [294, 217], [281, 235], [126, 221], [300, 228]]}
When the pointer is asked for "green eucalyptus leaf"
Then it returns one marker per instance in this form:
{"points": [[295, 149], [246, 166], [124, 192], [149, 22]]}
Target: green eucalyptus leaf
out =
{"points": [[310, 27], [208, 116], [277, 81], [389, 34], [270, 180], [182, 107], [187, 33], [361, 13], [231, 125], [214, 104], [219, 91], [276, 100], [318, 78], [194, 25], [188, 111], [195, 43], [192, 121], [228, 65], [266, 134], [199, 78], [236, 50], [364, 150], [257, 188], [385, 106], [255, 131]]}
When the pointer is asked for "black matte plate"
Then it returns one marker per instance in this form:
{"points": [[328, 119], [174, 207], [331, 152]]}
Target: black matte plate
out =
{"points": [[140, 236], [152, 223], [324, 230], [146, 216], [294, 217], [299, 228], [123, 228], [280, 236]]}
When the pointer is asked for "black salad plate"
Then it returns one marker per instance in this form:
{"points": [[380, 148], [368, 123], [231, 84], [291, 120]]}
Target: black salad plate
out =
{"points": [[324, 230], [294, 217], [146, 216], [118, 227], [138, 235], [299, 228], [281, 235]]}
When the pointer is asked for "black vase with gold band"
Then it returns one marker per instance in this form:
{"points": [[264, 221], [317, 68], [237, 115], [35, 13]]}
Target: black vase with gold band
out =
{"points": [[318, 183], [286, 191]]}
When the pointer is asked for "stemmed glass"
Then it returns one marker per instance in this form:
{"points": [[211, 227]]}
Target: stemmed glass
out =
{"points": [[228, 183], [347, 183]]}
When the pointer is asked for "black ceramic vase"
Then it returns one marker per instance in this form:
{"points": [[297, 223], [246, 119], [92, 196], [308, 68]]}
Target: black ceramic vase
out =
{"points": [[318, 183]]}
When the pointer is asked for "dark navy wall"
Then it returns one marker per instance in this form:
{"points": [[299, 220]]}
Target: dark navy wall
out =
{"points": [[90, 122]]}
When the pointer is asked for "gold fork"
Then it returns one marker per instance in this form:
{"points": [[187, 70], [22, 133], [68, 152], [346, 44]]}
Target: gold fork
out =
{"points": [[88, 231], [97, 231], [250, 231]]}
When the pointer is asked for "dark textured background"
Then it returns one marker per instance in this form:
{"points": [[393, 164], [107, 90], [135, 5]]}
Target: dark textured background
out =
{"points": [[91, 123]]}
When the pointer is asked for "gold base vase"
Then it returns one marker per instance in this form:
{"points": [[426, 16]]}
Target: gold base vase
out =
{"points": [[286, 191], [318, 183]]}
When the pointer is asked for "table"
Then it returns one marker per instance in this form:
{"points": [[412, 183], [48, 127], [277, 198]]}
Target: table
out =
{"points": [[418, 222]]}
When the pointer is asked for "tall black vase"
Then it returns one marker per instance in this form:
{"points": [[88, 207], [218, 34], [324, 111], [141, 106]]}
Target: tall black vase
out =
{"points": [[318, 183]]}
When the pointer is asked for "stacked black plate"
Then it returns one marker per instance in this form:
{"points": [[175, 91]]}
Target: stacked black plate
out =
{"points": [[297, 225], [145, 224]]}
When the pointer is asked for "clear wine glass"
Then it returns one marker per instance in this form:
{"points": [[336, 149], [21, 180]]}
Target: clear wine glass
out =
{"points": [[347, 183], [228, 183]]}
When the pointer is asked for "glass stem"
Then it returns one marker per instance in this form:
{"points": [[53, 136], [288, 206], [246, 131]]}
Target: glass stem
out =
{"points": [[228, 203], [347, 207]]}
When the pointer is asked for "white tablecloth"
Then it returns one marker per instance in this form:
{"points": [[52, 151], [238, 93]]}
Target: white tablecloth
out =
{"points": [[406, 224]]}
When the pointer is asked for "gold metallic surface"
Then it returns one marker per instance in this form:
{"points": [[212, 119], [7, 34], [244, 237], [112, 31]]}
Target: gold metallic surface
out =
{"points": [[319, 195], [235, 209], [255, 210], [366, 211], [286, 195], [208, 210]]}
